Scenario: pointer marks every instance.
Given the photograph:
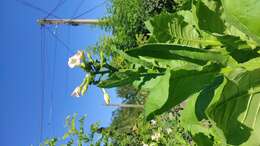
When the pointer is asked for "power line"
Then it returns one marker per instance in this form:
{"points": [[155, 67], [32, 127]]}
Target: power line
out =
{"points": [[52, 86], [89, 10], [60, 40], [59, 4], [77, 8], [35, 7], [42, 82], [67, 71]]}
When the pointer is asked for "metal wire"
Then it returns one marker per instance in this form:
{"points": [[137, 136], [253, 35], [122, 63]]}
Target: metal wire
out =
{"points": [[59, 4], [89, 10], [30, 5]]}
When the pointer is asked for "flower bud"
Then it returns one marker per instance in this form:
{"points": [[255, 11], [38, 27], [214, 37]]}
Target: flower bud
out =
{"points": [[106, 96], [76, 92], [85, 84]]}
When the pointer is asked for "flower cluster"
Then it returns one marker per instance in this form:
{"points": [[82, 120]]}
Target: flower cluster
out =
{"points": [[156, 136], [78, 60]]}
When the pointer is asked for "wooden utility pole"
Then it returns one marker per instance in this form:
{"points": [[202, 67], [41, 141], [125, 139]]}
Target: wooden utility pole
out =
{"points": [[74, 22]]}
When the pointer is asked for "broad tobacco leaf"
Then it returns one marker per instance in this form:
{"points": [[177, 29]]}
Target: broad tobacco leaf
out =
{"points": [[158, 27], [179, 52], [232, 104], [131, 59], [235, 107], [158, 95], [245, 15], [208, 14], [240, 50], [193, 116], [169, 64], [176, 86], [179, 28]]}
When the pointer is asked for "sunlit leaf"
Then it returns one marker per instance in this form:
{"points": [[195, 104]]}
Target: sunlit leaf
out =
{"points": [[245, 15]]}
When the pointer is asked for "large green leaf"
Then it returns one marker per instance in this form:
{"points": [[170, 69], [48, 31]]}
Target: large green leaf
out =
{"points": [[245, 15], [179, 28], [240, 50], [208, 15], [183, 31], [252, 64], [170, 64], [235, 107], [193, 116], [233, 103], [178, 52], [176, 86], [158, 95], [119, 79], [131, 59], [158, 27]]}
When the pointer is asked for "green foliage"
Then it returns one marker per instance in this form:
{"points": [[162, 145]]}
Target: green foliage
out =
{"points": [[127, 128], [245, 15], [179, 52], [204, 57], [74, 134], [209, 67], [154, 7], [127, 19], [230, 103], [162, 130]]}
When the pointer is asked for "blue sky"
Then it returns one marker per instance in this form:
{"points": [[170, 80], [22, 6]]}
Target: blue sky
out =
{"points": [[25, 71]]}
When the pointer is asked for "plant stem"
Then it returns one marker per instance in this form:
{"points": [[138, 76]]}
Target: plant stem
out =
{"points": [[108, 66], [101, 72]]}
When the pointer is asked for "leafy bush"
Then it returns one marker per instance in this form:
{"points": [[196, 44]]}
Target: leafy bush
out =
{"points": [[162, 130], [127, 18]]}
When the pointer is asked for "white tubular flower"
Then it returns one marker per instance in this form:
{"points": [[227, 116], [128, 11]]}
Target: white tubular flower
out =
{"points": [[156, 136], [168, 130], [76, 92], [106, 96], [153, 122], [75, 60]]}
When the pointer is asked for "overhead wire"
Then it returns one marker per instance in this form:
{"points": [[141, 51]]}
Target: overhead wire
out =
{"points": [[60, 40], [59, 4], [90, 10], [44, 61], [67, 56], [52, 85], [28, 4], [43, 38], [69, 40], [77, 8], [44, 55]]}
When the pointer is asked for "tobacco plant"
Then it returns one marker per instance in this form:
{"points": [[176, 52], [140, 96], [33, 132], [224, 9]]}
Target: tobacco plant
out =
{"points": [[206, 58]]}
